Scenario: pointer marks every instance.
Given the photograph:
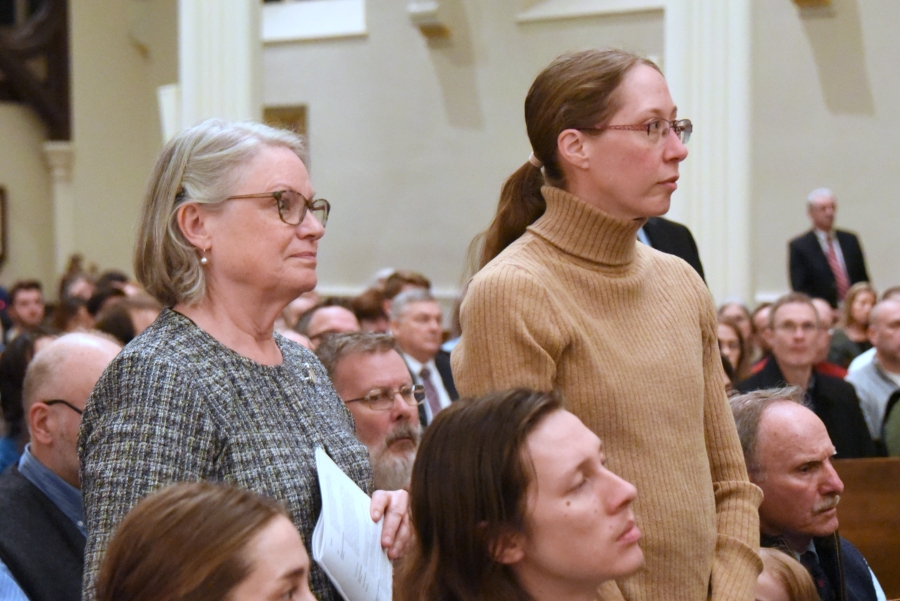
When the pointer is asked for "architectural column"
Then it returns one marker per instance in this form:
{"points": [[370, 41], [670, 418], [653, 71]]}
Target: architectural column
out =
{"points": [[60, 157], [708, 66], [220, 60]]}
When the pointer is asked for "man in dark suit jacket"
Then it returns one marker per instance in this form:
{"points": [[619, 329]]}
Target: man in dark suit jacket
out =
{"points": [[416, 323], [799, 512], [674, 239], [42, 532], [811, 269], [794, 330]]}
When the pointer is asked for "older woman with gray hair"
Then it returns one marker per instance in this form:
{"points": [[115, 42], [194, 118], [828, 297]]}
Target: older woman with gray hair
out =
{"points": [[228, 237]]}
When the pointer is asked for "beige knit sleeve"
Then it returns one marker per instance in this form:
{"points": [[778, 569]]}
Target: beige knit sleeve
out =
{"points": [[736, 565], [510, 334]]}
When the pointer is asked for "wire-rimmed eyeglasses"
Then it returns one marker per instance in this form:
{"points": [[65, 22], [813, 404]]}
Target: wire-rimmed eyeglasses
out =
{"points": [[657, 129], [382, 399]]}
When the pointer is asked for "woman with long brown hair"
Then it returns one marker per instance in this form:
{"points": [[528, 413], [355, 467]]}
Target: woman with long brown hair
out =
{"points": [[850, 339], [734, 347], [567, 299], [204, 541], [512, 501]]}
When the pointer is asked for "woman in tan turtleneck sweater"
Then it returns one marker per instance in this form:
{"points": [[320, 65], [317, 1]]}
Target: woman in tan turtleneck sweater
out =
{"points": [[628, 334]]}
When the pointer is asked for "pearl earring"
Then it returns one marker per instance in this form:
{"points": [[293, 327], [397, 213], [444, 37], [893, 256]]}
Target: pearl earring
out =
{"points": [[203, 260]]}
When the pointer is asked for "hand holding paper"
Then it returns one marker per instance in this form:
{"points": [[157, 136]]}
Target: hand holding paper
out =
{"points": [[346, 542]]}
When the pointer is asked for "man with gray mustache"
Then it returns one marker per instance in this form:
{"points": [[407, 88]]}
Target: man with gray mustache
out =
{"points": [[788, 454], [369, 374]]}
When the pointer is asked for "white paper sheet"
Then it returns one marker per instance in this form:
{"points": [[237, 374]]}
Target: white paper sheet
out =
{"points": [[346, 542]]}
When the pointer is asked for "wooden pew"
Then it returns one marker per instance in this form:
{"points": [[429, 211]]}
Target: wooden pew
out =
{"points": [[869, 515]]}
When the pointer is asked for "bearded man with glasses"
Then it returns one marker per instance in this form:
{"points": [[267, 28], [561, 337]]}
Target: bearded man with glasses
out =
{"points": [[41, 523], [371, 377]]}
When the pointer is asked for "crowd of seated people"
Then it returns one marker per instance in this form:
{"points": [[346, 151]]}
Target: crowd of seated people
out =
{"points": [[108, 303], [798, 340], [159, 437]]}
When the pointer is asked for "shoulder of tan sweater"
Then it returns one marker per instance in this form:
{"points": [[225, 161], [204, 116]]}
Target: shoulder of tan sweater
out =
{"points": [[510, 278], [518, 260]]}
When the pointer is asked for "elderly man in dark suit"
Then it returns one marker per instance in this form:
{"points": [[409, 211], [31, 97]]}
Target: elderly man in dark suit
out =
{"points": [[416, 323], [825, 261], [788, 453]]}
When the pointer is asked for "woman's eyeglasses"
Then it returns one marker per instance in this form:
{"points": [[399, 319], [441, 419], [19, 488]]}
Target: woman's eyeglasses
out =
{"points": [[292, 206], [656, 130]]}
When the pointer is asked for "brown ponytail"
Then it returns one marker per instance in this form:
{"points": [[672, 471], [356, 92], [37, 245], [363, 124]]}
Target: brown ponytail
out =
{"points": [[521, 203], [577, 90]]}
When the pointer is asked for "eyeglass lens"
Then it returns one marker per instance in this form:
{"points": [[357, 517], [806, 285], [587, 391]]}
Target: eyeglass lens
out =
{"points": [[660, 129], [292, 207], [384, 398]]}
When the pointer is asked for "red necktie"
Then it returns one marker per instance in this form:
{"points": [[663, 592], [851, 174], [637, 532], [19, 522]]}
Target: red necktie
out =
{"points": [[840, 276]]}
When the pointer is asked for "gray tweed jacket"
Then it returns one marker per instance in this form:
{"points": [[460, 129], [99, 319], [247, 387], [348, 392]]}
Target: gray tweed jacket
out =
{"points": [[176, 405]]}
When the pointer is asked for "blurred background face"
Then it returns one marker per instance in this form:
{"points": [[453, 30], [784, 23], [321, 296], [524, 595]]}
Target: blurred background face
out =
{"points": [[827, 315], [738, 315], [729, 345], [885, 331], [794, 337], [862, 304], [580, 529], [419, 330], [331, 320], [822, 211], [760, 325], [280, 566], [827, 318], [28, 308]]}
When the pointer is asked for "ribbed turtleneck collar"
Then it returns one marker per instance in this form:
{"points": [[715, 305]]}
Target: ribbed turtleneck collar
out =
{"points": [[585, 231]]}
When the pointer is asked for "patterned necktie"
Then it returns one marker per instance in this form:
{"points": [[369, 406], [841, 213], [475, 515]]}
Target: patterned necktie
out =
{"points": [[431, 393], [840, 276], [823, 585]]}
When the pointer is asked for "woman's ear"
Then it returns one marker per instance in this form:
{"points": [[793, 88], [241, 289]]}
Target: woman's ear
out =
{"points": [[192, 221], [508, 547], [571, 148]]}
